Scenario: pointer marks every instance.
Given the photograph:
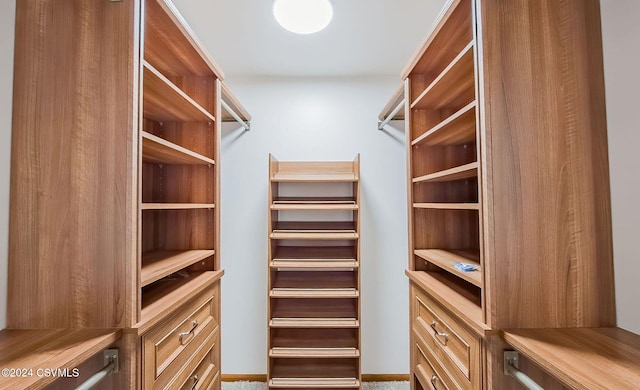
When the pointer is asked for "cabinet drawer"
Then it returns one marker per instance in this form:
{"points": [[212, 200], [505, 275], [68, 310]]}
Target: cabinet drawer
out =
{"points": [[180, 341], [425, 371], [206, 372], [449, 340]]}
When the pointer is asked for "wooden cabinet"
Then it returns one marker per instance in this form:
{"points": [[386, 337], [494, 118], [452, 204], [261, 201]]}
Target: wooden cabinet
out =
{"points": [[115, 184], [509, 214], [314, 278]]}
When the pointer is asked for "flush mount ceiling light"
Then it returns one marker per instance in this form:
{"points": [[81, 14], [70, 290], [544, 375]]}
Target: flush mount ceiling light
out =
{"points": [[303, 16]]}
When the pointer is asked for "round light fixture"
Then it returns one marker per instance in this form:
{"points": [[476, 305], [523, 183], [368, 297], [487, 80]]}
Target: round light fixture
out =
{"points": [[303, 16]]}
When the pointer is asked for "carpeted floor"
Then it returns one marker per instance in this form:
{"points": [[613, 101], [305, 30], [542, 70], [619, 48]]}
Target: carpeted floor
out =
{"points": [[365, 386]]}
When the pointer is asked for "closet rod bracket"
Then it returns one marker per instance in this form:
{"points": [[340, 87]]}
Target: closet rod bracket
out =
{"points": [[511, 359], [111, 356], [391, 115]]}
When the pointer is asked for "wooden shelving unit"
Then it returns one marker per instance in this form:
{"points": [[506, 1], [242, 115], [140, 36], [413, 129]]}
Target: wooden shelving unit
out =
{"points": [[498, 168], [314, 278], [137, 204]]}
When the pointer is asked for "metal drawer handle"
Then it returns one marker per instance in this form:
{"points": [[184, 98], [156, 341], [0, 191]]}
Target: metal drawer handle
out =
{"points": [[445, 336], [194, 325], [434, 382], [195, 381]]}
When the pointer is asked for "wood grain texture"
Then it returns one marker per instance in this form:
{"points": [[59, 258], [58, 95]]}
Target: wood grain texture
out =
{"points": [[314, 338], [173, 348], [585, 359], [166, 296], [317, 368], [206, 374], [546, 180], [464, 306], [457, 173], [452, 31], [156, 265], [454, 87], [459, 128], [73, 186], [429, 370], [50, 349], [299, 352], [165, 101], [455, 349], [447, 260], [311, 288], [315, 383], [310, 323], [158, 150], [170, 44]]}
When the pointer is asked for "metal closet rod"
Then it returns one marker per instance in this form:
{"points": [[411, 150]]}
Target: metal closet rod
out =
{"points": [[511, 368], [393, 113], [243, 123], [111, 366]]}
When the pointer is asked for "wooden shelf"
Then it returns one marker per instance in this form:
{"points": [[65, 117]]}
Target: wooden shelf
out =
{"points": [[313, 236], [49, 349], [457, 173], [319, 177], [458, 129], [160, 151], [314, 253], [164, 101], [314, 227], [319, 265], [582, 358], [176, 206], [447, 259], [313, 206], [158, 264], [314, 323], [314, 383], [447, 206], [283, 292], [170, 44], [281, 352], [159, 299], [462, 305], [450, 33], [455, 87], [348, 200], [314, 258], [314, 231]]}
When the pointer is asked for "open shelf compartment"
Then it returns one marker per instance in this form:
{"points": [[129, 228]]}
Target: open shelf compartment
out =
{"points": [[310, 258]]}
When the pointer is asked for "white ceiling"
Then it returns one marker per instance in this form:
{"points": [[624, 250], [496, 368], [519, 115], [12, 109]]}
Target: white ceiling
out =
{"points": [[366, 37]]}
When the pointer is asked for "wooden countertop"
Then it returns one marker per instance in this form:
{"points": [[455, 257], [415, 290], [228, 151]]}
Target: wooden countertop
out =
{"points": [[58, 348], [583, 358]]}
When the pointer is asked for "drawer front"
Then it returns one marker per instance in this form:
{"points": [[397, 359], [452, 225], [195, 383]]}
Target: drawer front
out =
{"points": [[425, 370], [174, 344], [216, 383], [449, 340], [205, 373]]}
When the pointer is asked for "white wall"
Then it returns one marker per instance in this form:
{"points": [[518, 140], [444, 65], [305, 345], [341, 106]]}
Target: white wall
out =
{"points": [[314, 119], [621, 35], [7, 22]]}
